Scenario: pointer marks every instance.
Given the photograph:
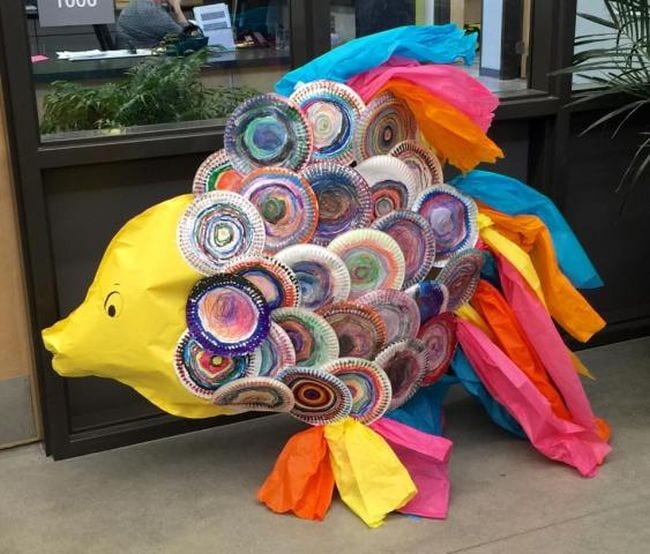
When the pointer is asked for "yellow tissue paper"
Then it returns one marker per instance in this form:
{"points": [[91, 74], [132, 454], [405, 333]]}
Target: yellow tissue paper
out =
{"points": [[513, 253], [369, 477], [134, 313]]}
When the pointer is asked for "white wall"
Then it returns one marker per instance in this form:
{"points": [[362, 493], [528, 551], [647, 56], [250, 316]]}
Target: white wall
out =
{"points": [[491, 34]]}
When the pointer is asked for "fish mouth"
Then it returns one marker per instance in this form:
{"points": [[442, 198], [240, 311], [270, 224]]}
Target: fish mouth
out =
{"points": [[51, 340], [59, 343]]}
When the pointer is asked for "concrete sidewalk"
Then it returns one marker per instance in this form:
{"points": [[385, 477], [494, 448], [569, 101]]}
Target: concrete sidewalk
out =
{"points": [[196, 493]]}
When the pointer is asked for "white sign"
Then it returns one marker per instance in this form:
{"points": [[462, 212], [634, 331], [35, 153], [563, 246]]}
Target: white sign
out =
{"points": [[61, 13], [215, 23]]}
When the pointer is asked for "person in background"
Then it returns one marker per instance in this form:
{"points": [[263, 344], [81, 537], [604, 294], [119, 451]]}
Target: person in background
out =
{"points": [[144, 23]]}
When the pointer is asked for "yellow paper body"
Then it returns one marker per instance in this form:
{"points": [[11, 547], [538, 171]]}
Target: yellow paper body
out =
{"points": [[145, 280], [369, 477]]}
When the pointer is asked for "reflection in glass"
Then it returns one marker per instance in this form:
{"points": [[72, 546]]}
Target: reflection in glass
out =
{"points": [[144, 23], [588, 28], [111, 78], [503, 27]]}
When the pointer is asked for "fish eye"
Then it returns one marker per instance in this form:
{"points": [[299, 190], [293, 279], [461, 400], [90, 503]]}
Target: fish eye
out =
{"points": [[113, 304]]}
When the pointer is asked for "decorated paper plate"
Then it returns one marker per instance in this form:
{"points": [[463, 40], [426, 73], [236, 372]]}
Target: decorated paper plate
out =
{"points": [[392, 184], [216, 173], [344, 200], [227, 315], [374, 260], [203, 372], [439, 335], [360, 330], [431, 297], [461, 276], [267, 130], [320, 398], [452, 217], [416, 240], [406, 363], [259, 394], [277, 283], [217, 227], [313, 339], [276, 352], [398, 311], [322, 275], [286, 203], [384, 123], [423, 163], [333, 110], [369, 386]]}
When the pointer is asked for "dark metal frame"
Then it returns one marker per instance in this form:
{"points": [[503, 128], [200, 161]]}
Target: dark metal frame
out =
{"points": [[552, 40]]}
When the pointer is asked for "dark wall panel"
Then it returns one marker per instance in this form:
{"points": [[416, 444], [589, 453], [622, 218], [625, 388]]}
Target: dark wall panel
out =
{"points": [[87, 205], [617, 242], [513, 137]]}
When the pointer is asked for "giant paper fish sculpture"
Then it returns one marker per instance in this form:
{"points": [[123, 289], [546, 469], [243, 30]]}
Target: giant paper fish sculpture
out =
{"points": [[323, 268], [129, 323]]}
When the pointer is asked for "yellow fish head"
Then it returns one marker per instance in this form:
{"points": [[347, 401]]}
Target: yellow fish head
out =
{"points": [[134, 313]]}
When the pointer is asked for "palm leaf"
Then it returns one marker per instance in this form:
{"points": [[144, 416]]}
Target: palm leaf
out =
{"points": [[615, 113], [598, 20], [623, 68]]}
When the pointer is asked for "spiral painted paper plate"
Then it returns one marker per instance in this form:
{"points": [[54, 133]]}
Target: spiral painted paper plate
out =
{"points": [[268, 130], [461, 276], [333, 110], [384, 123], [360, 330], [227, 315], [452, 217], [313, 339], [374, 260], [369, 386], [423, 163], [277, 283], [406, 363], [217, 227], [439, 335], [322, 275], [203, 372], [287, 204], [258, 394], [216, 173], [392, 184], [398, 311], [320, 398], [276, 352], [416, 240], [431, 297], [344, 200]]}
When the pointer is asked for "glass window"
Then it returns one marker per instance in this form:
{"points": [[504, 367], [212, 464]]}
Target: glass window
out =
{"points": [[504, 31], [591, 35], [145, 63]]}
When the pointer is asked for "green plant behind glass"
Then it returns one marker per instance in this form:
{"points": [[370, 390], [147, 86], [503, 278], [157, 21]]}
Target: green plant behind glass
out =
{"points": [[623, 68], [157, 90]]}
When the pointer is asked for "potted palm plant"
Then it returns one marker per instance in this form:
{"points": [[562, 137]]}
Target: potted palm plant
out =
{"points": [[617, 62]]}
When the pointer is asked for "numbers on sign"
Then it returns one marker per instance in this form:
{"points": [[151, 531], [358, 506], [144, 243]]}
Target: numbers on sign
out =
{"points": [[77, 3]]}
